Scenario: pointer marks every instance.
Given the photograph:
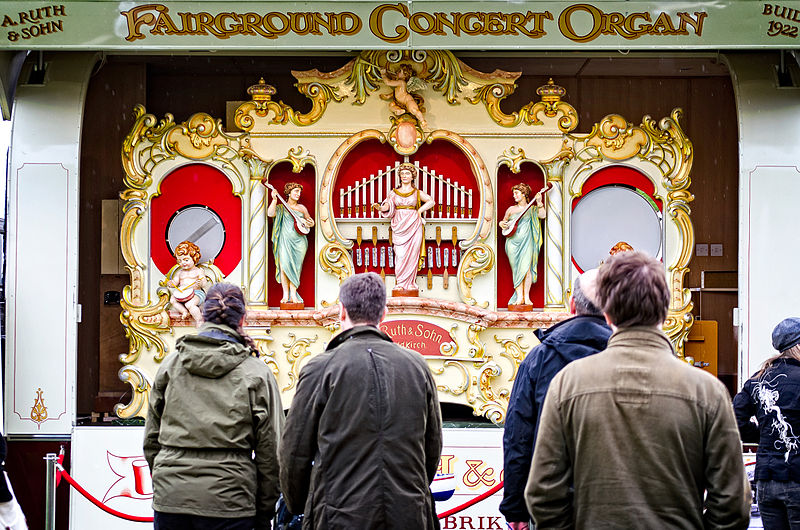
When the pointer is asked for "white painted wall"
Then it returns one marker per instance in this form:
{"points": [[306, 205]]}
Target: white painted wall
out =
{"points": [[42, 259], [769, 191]]}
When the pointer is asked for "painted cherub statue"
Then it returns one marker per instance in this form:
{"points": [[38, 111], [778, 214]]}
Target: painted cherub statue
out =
{"points": [[405, 83], [188, 282], [622, 246]]}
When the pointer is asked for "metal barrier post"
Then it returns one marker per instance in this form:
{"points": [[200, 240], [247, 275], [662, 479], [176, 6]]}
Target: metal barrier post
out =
{"points": [[50, 492]]}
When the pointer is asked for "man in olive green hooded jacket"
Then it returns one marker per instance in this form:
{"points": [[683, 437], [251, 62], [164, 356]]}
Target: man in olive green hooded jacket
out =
{"points": [[212, 407]]}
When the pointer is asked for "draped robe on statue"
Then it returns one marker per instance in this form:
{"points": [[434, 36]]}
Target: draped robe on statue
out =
{"points": [[522, 248], [409, 253], [289, 247]]}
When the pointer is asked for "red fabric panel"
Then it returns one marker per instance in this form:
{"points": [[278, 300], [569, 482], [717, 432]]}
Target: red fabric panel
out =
{"points": [[196, 184], [370, 157], [624, 175]]}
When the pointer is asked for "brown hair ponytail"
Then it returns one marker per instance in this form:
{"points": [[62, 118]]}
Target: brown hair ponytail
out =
{"points": [[225, 305]]}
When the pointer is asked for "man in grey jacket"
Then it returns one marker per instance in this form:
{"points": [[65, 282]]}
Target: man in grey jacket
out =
{"points": [[363, 436], [632, 437]]}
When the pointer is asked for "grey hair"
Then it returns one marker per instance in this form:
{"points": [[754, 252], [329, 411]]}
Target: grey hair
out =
{"points": [[583, 306], [364, 298]]}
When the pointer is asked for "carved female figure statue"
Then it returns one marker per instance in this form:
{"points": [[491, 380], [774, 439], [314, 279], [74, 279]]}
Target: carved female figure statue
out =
{"points": [[289, 242], [523, 232], [404, 83], [404, 206]]}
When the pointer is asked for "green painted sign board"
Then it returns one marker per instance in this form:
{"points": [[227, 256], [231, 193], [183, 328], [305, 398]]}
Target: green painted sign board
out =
{"points": [[414, 24]]}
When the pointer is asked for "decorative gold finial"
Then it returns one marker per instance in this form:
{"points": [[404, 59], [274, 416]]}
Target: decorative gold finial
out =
{"points": [[551, 92], [262, 91], [39, 411]]}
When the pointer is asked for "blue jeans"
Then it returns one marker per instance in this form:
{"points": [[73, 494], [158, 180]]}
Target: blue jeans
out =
{"points": [[779, 504]]}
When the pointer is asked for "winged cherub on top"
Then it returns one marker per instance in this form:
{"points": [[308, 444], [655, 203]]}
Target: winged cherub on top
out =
{"points": [[405, 83]]}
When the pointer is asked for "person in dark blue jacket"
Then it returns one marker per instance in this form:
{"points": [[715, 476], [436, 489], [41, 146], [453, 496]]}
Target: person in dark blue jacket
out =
{"points": [[773, 396], [582, 335]]}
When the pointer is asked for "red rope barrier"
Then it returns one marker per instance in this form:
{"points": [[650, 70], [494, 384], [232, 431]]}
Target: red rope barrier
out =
{"points": [[93, 500], [59, 462], [472, 501], [139, 519]]}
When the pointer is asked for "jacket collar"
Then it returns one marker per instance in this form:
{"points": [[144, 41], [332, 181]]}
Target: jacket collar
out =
{"points": [[640, 336], [786, 360], [357, 331], [219, 332], [555, 330]]}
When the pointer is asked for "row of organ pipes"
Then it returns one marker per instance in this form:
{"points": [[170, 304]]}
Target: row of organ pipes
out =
{"points": [[452, 201]]}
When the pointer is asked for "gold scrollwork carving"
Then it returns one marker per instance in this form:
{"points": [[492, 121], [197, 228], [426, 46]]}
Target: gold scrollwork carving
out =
{"points": [[257, 166], [491, 96], [514, 350], [679, 320], [668, 134], [300, 158], [296, 351], [566, 123], [198, 137], [477, 348], [140, 393], [262, 104], [551, 106], [143, 324], [616, 139], [334, 326], [133, 210], [334, 259], [266, 355], [555, 165], [446, 74], [450, 349], [144, 128], [513, 157], [494, 404], [320, 95], [461, 388], [477, 260], [364, 75]]}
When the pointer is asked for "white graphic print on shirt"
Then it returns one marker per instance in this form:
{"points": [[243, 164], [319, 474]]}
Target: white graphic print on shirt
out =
{"points": [[767, 396]]}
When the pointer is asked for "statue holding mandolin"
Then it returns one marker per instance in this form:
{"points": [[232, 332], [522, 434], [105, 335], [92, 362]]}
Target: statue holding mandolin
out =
{"points": [[522, 228], [289, 243]]}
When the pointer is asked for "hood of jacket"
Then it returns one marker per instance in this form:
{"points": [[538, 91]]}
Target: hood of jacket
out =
{"points": [[214, 351], [574, 337]]}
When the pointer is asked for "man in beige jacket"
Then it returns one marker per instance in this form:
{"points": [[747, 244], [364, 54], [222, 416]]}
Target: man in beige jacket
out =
{"points": [[633, 437]]}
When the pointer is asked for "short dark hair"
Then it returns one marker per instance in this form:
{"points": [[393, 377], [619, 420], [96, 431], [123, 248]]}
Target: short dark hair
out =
{"points": [[583, 306], [632, 289], [364, 298]]}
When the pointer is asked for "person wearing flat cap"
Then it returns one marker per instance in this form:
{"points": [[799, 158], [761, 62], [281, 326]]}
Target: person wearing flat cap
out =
{"points": [[772, 396]]}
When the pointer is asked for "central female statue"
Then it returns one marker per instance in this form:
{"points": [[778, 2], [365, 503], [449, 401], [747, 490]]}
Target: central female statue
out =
{"points": [[405, 206]]}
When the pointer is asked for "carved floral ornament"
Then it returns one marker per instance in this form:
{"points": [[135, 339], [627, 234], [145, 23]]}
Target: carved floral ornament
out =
{"points": [[476, 370]]}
